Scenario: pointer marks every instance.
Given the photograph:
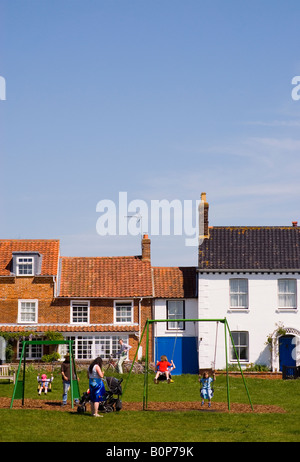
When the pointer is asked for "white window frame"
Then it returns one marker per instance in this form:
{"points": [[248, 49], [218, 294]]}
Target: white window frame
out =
{"points": [[239, 294], [20, 311], [172, 324], [30, 261], [238, 347], [294, 294], [32, 352], [89, 346], [82, 303], [118, 303]]}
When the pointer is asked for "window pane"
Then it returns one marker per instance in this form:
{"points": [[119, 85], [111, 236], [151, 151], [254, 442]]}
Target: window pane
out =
{"points": [[240, 340], [242, 353], [25, 266], [238, 293], [90, 347], [235, 336], [234, 300], [80, 312], [32, 351], [287, 293], [28, 311], [124, 312], [175, 311], [243, 338]]}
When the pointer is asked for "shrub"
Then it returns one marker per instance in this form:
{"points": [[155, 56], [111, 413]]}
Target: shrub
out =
{"points": [[50, 358]]}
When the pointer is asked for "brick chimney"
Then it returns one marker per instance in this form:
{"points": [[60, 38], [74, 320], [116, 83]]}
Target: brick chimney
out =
{"points": [[146, 248], [203, 218]]}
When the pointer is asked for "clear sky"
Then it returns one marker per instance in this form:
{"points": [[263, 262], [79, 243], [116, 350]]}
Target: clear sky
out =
{"points": [[160, 99]]}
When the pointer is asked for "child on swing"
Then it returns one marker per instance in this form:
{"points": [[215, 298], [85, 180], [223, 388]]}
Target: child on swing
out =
{"points": [[206, 392], [162, 367], [44, 383]]}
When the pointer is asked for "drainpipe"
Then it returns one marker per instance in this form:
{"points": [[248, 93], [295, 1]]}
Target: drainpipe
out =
{"points": [[140, 317]]}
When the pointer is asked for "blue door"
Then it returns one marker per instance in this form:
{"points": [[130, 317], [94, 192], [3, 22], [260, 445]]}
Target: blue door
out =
{"points": [[287, 356], [183, 351]]}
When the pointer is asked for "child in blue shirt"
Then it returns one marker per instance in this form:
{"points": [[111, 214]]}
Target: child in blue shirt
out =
{"points": [[206, 392]]}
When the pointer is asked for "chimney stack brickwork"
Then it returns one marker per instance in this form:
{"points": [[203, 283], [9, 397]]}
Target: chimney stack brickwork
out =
{"points": [[203, 218], [146, 248]]}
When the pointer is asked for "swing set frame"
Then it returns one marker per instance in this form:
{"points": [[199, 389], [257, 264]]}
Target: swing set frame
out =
{"points": [[19, 388], [146, 375]]}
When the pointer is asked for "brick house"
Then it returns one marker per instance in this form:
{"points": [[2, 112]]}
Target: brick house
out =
{"points": [[94, 301]]}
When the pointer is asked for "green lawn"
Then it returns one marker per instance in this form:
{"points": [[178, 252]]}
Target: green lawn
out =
{"points": [[25, 425]]}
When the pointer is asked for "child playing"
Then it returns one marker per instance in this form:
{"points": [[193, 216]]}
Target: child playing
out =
{"points": [[170, 370], [44, 383], [206, 391], [162, 368]]}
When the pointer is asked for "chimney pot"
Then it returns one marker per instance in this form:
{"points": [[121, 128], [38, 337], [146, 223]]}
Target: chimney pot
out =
{"points": [[295, 224]]}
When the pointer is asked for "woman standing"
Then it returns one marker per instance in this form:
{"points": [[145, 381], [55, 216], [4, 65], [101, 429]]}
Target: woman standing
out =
{"points": [[96, 385]]}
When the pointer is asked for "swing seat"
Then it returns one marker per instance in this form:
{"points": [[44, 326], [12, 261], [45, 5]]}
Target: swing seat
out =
{"points": [[163, 378]]}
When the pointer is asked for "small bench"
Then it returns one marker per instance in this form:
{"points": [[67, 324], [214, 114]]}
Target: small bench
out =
{"points": [[7, 373]]}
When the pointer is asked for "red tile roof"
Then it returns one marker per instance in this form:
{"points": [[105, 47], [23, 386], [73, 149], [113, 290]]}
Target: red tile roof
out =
{"points": [[49, 249], [111, 277], [69, 328], [173, 282]]}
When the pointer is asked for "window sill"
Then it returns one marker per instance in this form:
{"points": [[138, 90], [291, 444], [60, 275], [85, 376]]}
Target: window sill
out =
{"points": [[287, 310], [238, 310]]}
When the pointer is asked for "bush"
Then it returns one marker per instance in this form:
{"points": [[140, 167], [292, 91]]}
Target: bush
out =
{"points": [[50, 358], [9, 353], [258, 368]]}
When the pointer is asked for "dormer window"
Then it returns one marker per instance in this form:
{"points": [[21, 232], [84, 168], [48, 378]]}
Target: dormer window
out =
{"points": [[24, 266], [26, 263]]}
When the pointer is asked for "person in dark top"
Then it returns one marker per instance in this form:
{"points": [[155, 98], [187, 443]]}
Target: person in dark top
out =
{"points": [[66, 378]]}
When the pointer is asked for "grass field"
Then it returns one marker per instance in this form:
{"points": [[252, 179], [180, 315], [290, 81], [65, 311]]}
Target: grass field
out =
{"points": [[30, 425]]}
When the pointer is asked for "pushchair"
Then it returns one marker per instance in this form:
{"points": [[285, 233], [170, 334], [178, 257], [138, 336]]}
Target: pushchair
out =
{"points": [[110, 403]]}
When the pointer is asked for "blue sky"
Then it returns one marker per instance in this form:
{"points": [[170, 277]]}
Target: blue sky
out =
{"points": [[160, 99]]}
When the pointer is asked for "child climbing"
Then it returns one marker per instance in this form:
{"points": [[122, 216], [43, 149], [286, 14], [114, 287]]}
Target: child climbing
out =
{"points": [[206, 392]]}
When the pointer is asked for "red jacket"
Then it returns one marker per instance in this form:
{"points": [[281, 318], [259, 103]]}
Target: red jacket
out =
{"points": [[163, 365]]}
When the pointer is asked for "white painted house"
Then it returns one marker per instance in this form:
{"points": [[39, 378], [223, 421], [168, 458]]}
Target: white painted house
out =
{"points": [[250, 276], [175, 297]]}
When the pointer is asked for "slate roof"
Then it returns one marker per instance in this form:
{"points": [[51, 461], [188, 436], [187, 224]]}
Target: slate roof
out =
{"points": [[253, 248], [100, 277], [48, 248], [174, 282]]}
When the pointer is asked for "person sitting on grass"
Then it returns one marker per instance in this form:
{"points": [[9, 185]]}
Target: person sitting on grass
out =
{"points": [[206, 392], [162, 368]]}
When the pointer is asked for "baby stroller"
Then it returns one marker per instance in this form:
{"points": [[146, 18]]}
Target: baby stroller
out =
{"points": [[110, 403]]}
